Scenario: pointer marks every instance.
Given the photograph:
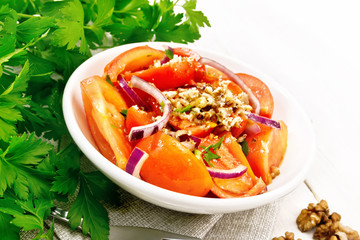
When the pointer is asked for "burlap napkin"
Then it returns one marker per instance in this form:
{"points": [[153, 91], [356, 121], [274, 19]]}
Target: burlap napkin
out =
{"points": [[254, 224], [251, 224]]}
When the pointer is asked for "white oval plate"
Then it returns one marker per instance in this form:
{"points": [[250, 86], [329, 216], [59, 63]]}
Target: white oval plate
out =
{"points": [[296, 163]]}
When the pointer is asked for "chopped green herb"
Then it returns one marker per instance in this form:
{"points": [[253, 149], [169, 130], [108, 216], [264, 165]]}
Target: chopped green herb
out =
{"points": [[245, 147], [162, 106], [185, 109], [218, 144], [197, 153], [124, 113], [210, 151], [108, 80], [169, 53]]}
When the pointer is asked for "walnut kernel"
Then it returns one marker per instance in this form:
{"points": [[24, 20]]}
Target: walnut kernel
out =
{"points": [[288, 236], [312, 216]]}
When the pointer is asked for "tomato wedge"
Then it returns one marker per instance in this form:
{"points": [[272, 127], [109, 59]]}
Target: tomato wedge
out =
{"points": [[172, 166], [261, 92], [258, 188], [137, 117], [258, 87], [135, 59], [103, 105], [231, 156], [186, 52], [169, 75], [195, 129], [267, 149]]}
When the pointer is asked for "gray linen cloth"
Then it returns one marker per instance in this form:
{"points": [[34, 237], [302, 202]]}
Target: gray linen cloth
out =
{"points": [[254, 224]]}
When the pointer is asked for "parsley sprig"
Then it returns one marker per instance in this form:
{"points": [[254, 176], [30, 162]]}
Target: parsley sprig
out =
{"points": [[41, 44]]}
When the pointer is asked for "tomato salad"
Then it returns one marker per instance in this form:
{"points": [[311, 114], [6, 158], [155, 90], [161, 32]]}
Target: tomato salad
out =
{"points": [[185, 123]]}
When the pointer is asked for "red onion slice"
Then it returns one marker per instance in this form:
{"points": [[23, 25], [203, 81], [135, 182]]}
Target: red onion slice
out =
{"points": [[235, 78], [226, 174], [140, 132], [263, 120], [131, 93], [187, 137], [252, 128], [135, 162]]}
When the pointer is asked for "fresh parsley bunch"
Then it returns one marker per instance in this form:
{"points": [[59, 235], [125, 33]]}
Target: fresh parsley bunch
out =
{"points": [[41, 43]]}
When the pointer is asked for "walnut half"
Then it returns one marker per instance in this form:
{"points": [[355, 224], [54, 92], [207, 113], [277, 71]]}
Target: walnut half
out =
{"points": [[288, 236], [312, 216], [328, 227]]}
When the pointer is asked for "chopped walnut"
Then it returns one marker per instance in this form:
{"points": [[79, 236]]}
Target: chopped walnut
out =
{"points": [[288, 236], [312, 216], [332, 229], [351, 234], [274, 172], [329, 228]]}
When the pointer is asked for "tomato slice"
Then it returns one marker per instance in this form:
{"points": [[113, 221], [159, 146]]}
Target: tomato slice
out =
{"points": [[103, 105], [135, 59], [237, 131], [231, 156], [236, 151], [137, 117], [261, 92], [196, 130], [186, 52], [167, 76], [267, 149], [258, 188], [172, 166], [199, 68]]}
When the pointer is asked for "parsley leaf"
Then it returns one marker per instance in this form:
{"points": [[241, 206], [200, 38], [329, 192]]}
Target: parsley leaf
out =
{"points": [[67, 175], [8, 230], [8, 18], [26, 215], [69, 19], [94, 214], [33, 28], [11, 102], [18, 167], [196, 19]]}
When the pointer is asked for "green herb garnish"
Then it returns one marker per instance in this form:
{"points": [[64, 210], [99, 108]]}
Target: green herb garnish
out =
{"points": [[185, 109], [109, 81], [162, 106], [245, 147], [41, 44], [210, 151], [124, 113], [169, 54]]}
